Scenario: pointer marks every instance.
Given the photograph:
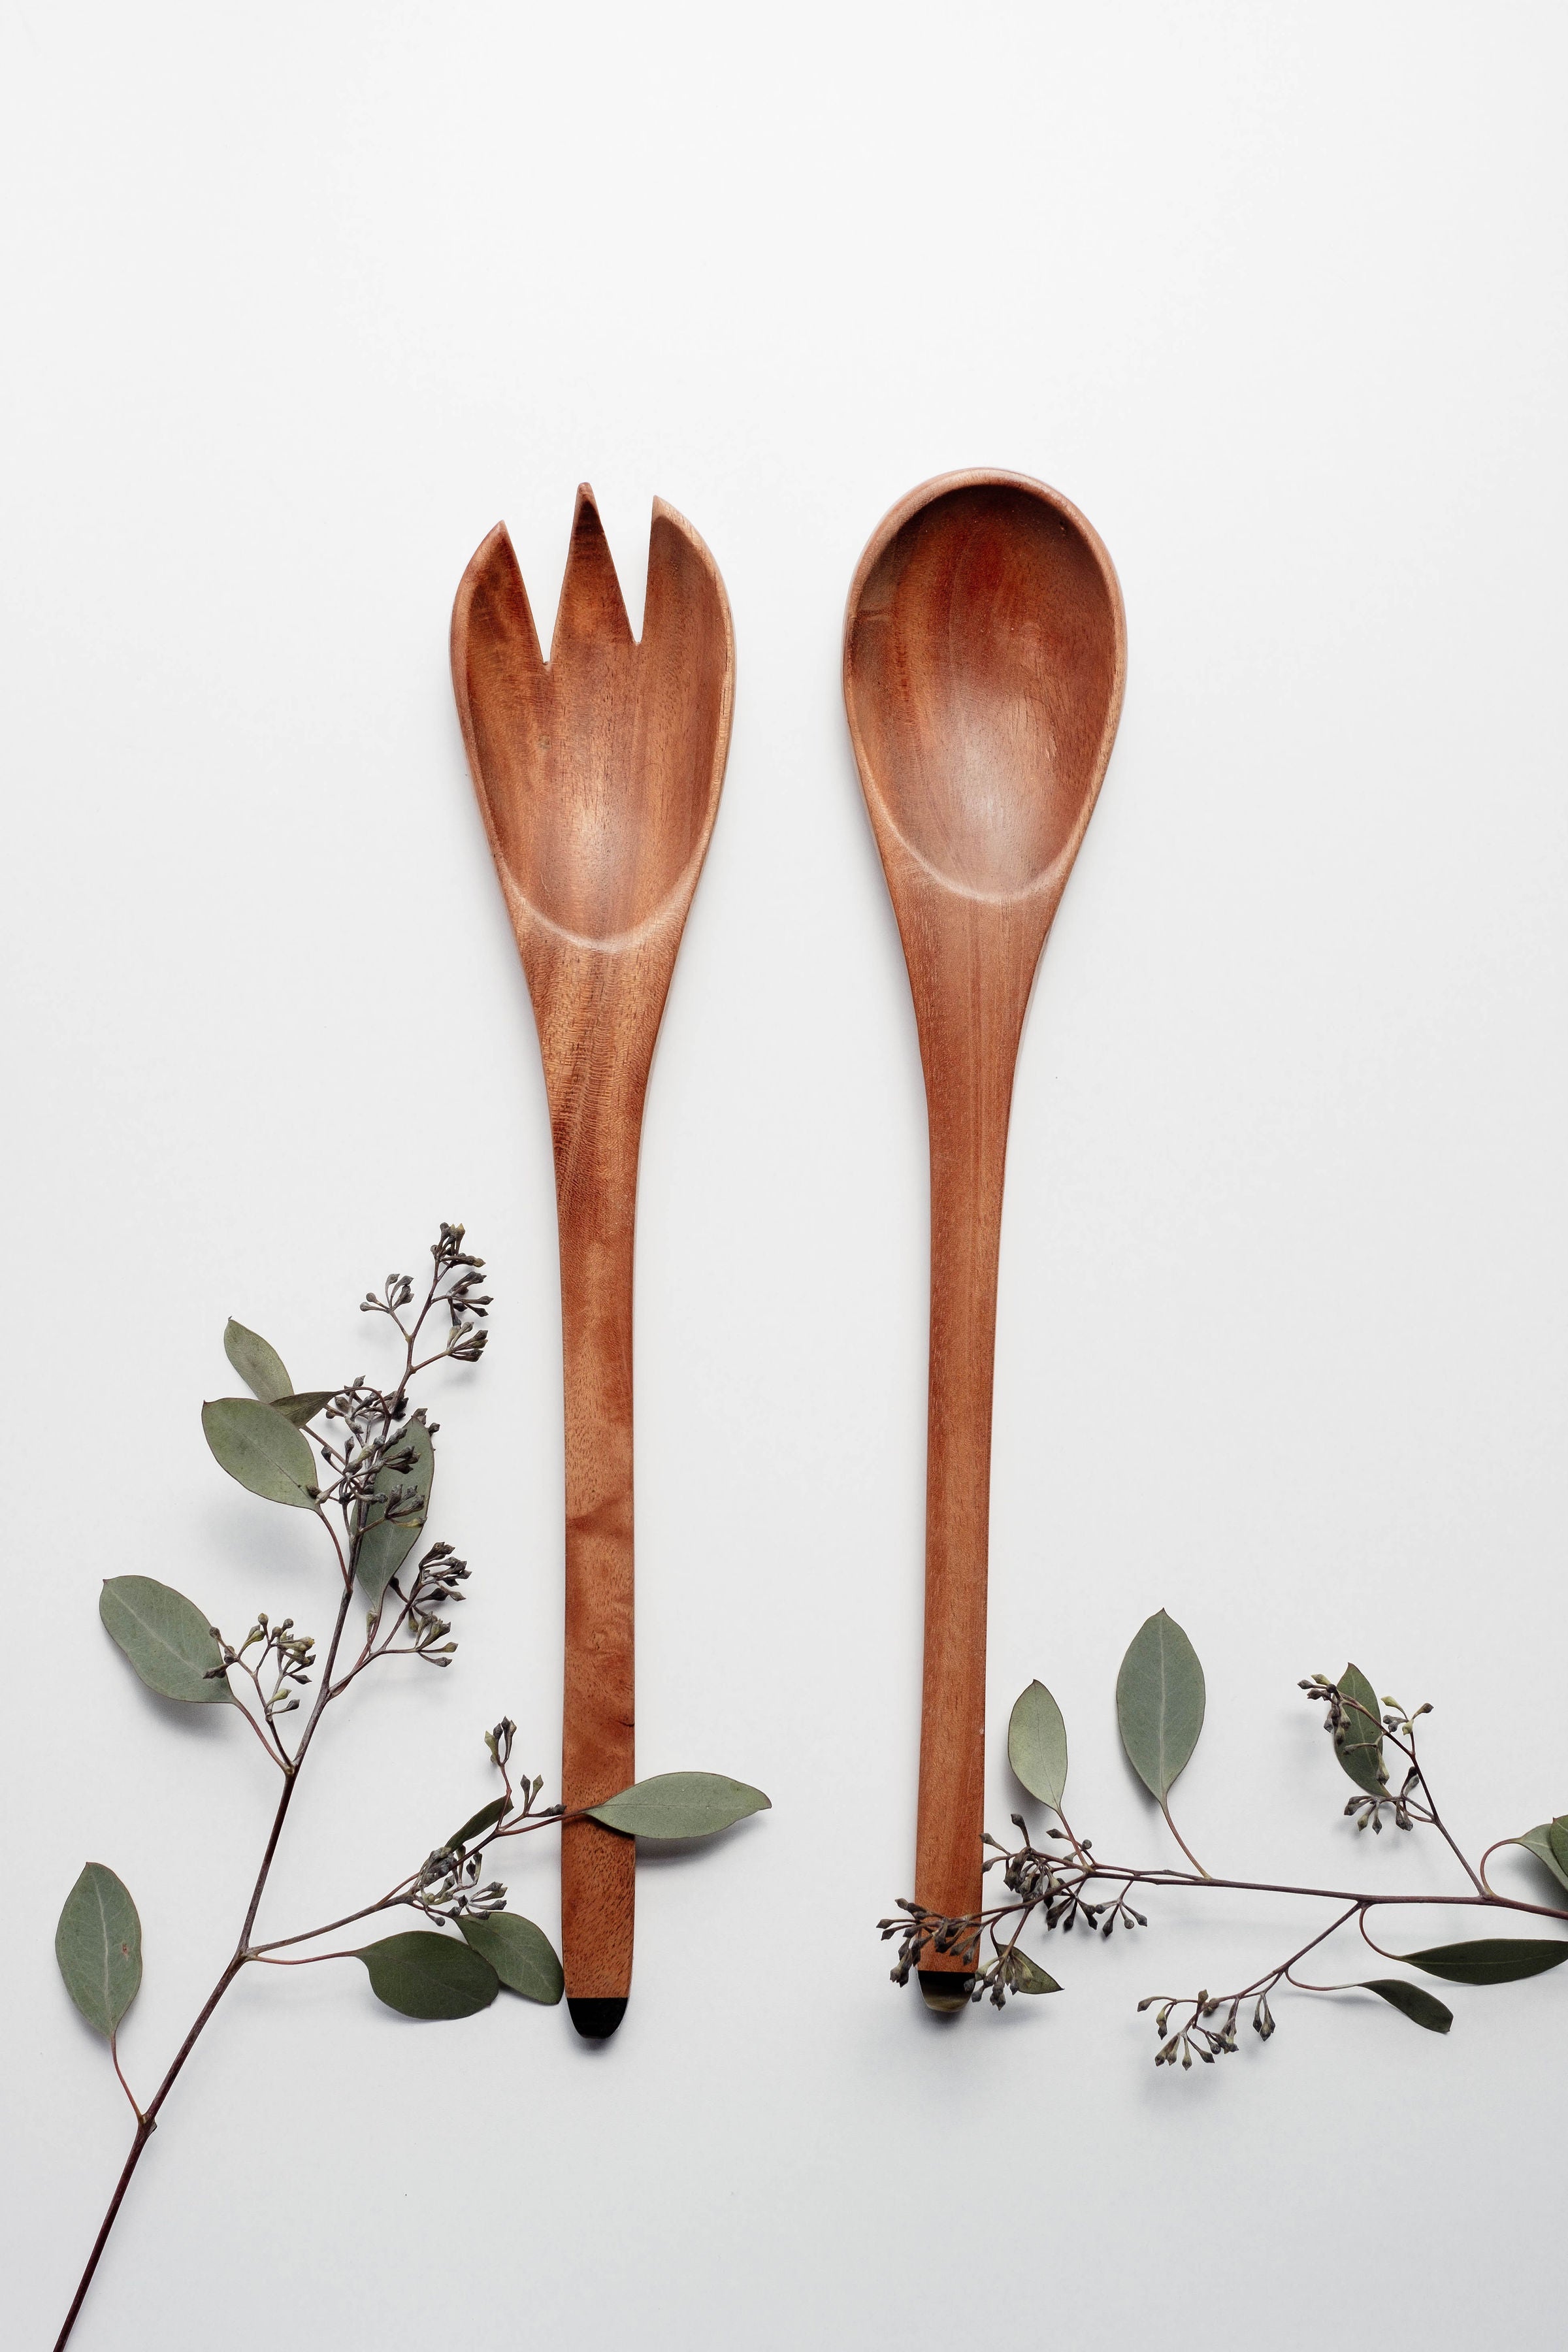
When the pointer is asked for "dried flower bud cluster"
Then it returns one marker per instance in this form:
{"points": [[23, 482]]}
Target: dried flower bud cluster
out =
{"points": [[447, 1887], [1194, 2034], [283, 1657]]}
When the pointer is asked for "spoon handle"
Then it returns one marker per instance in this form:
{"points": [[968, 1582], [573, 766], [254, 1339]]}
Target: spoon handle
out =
{"points": [[969, 1043]]}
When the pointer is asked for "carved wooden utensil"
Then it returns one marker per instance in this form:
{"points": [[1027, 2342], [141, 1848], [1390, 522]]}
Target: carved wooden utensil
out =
{"points": [[985, 652], [598, 776]]}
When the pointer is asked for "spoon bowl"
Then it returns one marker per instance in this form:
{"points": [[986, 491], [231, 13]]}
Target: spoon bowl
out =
{"points": [[985, 652], [983, 673]]}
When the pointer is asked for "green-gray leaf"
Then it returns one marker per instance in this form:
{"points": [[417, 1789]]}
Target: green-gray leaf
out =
{"points": [[304, 1407], [384, 1544], [483, 1819], [167, 1638], [1358, 1742], [1037, 1745], [1419, 2006], [1557, 1839], [1489, 1960], [1160, 1703], [266, 1453], [1548, 1844], [521, 1955], [260, 1367], [1028, 1977], [423, 1974], [98, 1946], [679, 1805]]}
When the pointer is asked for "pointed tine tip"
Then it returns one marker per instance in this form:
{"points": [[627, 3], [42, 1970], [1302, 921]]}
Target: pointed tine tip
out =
{"points": [[674, 521], [495, 540], [669, 523], [678, 555], [495, 552], [491, 600], [590, 602]]}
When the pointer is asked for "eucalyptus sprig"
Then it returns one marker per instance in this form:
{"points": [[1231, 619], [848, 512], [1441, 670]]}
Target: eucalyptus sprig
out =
{"points": [[361, 1460], [1062, 1883]]}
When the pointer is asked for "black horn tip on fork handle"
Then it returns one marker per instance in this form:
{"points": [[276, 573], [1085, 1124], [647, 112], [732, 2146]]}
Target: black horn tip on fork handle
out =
{"points": [[596, 2020]]}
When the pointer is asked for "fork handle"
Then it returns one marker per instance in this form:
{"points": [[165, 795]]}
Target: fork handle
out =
{"points": [[598, 1866], [597, 1025]]}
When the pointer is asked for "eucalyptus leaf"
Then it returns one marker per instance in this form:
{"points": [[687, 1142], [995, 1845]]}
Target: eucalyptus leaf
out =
{"points": [[97, 1944], [1420, 2008], [424, 1974], [382, 1545], [167, 1638], [1358, 1742], [521, 1955], [679, 1805], [1557, 1839], [1037, 1745], [264, 1451], [1160, 1703], [483, 1819], [260, 1366], [1548, 1844], [304, 1407], [1489, 1960], [1028, 1977]]}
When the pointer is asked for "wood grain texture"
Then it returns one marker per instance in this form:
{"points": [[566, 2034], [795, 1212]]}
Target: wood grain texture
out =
{"points": [[598, 776], [985, 654]]}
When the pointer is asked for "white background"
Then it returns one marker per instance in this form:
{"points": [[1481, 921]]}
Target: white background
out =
{"points": [[298, 301]]}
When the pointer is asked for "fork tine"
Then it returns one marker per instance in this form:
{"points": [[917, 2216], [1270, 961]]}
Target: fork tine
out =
{"points": [[491, 618], [685, 594], [591, 606]]}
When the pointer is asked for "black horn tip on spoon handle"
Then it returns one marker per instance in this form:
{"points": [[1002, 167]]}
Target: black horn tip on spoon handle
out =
{"points": [[596, 2020], [944, 1991]]}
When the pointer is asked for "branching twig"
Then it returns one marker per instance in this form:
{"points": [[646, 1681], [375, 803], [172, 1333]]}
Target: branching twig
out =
{"points": [[1074, 1888]]}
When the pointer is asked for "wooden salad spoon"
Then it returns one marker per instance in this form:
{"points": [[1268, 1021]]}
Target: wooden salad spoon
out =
{"points": [[984, 653], [598, 775]]}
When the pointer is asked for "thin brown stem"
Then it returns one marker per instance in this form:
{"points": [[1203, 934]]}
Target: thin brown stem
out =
{"points": [[144, 2131], [1325, 1893], [1129, 1877], [333, 1540], [1442, 1829], [1181, 1841], [306, 1960], [1407, 1749], [1332, 1929], [1495, 1847], [376, 1645], [145, 2128], [387, 1902], [148, 2121], [1081, 1851], [557, 1817], [114, 2055], [273, 1749]]}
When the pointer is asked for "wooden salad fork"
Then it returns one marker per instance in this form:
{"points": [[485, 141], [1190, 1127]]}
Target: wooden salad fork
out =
{"points": [[598, 775], [985, 654]]}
